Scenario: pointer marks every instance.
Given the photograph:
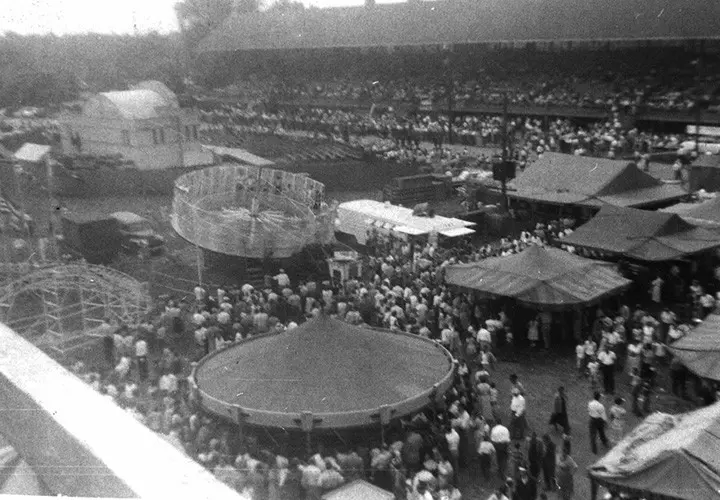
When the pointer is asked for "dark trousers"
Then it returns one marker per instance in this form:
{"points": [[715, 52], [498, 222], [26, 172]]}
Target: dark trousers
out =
{"points": [[142, 368], [485, 464], [609, 378], [560, 419], [501, 452], [548, 470], [597, 427]]}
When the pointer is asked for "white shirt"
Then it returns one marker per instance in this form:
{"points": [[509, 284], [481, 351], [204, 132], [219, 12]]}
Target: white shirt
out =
{"points": [[596, 409], [607, 358], [141, 349], [453, 440], [517, 405], [483, 335], [500, 434]]}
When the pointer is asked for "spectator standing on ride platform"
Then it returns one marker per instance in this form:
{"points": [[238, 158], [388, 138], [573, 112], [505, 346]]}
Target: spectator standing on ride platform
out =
{"points": [[598, 420]]}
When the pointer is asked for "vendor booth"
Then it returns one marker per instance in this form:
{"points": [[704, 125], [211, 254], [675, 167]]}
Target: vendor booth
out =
{"points": [[699, 351], [665, 457]]}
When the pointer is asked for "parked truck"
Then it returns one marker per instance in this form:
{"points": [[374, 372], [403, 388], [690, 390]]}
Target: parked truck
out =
{"points": [[96, 239]]}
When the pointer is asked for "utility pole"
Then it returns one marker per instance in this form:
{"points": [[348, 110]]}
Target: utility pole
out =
{"points": [[505, 146], [699, 99]]}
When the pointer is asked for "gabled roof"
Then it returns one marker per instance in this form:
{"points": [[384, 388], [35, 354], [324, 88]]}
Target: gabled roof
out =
{"points": [[540, 276], [706, 214], [136, 104], [642, 235], [700, 349], [468, 21], [580, 180]]}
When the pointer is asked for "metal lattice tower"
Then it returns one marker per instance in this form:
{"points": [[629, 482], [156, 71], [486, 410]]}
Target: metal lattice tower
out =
{"points": [[54, 304]]}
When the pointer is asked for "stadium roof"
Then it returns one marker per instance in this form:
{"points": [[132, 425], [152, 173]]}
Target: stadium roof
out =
{"points": [[343, 375], [468, 22]]}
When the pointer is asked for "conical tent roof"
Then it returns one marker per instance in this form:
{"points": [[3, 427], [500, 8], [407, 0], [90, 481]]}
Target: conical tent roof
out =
{"points": [[340, 373], [677, 456], [540, 276], [700, 349], [706, 214], [642, 235]]}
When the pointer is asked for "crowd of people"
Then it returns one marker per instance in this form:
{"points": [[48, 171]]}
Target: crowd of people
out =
{"points": [[423, 138], [640, 79], [147, 372]]}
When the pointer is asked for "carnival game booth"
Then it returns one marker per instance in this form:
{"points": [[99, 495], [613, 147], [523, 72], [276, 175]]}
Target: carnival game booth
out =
{"points": [[699, 351], [324, 375], [359, 218], [706, 214], [561, 185], [541, 278], [666, 457]]}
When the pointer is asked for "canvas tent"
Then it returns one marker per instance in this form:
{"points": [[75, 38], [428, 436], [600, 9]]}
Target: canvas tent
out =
{"points": [[562, 179], [676, 456], [358, 490], [540, 277], [642, 235], [700, 349], [706, 214]]}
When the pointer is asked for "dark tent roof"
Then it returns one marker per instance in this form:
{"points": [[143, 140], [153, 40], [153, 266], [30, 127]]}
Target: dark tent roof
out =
{"points": [[540, 276], [342, 374], [676, 456], [580, 180], [706, 214], [700, 349], [642, 235], [467, 22]]}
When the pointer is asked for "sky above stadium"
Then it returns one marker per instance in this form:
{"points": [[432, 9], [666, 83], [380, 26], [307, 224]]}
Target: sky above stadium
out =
{"points": [[103, 16]]}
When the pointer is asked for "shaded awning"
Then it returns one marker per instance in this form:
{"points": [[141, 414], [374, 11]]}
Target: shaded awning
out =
{"points": [[676, 456], [700, 349], [642, 235], [412, 231], [540, 277], [458, 231]]}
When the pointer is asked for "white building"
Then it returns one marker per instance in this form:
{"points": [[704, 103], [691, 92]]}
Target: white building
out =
{"points": [[145, 125]]}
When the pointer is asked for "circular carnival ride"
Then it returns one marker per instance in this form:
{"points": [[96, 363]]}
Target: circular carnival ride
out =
{"points": [[53, 306], [251, 212], [324, 374]]}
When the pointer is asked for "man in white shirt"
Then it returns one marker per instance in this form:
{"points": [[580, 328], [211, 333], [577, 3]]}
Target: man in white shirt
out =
{"points": [[607, 358], [517, 412], [484, 337], [141, 351], [598, 419], [283, 280], [500, 437], [453, 441]]}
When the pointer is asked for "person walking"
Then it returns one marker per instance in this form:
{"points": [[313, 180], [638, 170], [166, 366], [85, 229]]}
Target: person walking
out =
{"points": [[559, 415], [607, 359], [548, 462], [518, 422], [566, 468], [617, 421], [486, 450], [500, 437], [598, 419], [535, 454], [525, 486]]}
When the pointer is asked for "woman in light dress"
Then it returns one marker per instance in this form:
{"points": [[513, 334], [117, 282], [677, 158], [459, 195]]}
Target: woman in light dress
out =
{"points": [[617, 421]]}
